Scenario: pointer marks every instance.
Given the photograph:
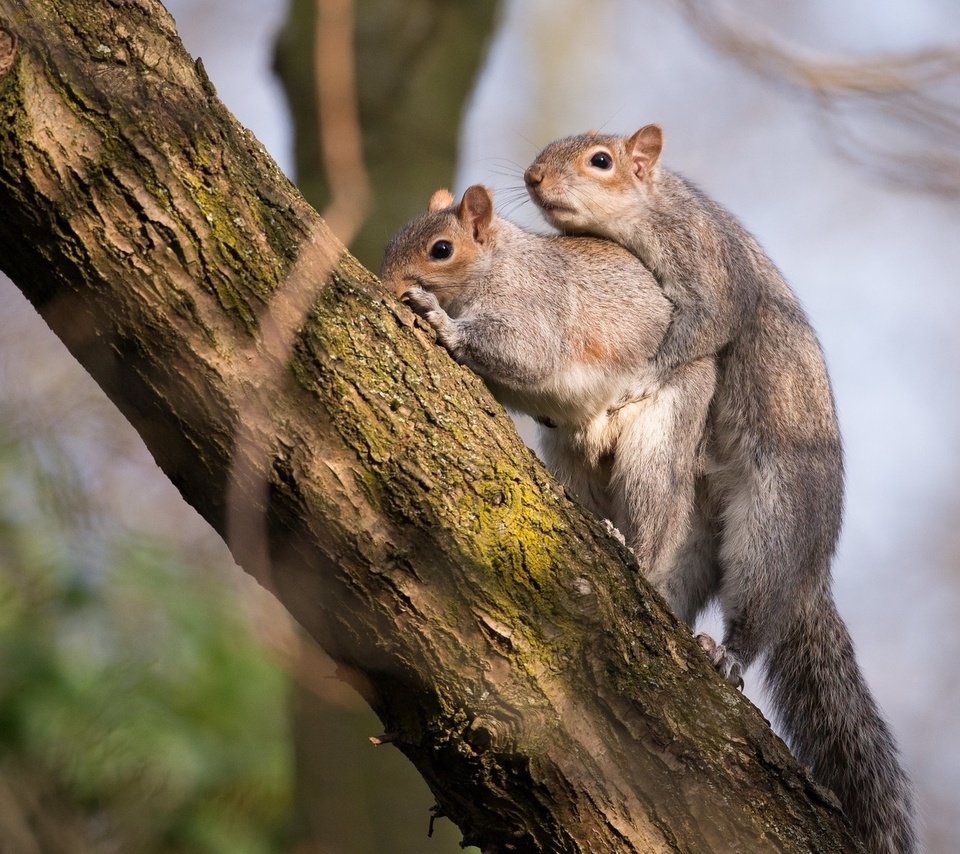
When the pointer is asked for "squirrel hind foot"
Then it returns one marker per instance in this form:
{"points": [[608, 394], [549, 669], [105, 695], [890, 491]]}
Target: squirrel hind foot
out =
{"points": [[726, 663]]}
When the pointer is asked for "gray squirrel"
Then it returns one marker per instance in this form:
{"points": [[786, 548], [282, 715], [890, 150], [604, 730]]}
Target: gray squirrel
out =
{"points": [[774, 481], [562, 329]]}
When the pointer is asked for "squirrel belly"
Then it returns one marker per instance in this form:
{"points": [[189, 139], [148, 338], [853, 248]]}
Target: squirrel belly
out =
{"points": [[773, 490]]}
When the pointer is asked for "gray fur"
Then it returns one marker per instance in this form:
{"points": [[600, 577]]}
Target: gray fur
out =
{"points": [[772, 498]]}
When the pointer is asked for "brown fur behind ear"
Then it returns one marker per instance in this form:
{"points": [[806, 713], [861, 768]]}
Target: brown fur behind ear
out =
{"points": [[645, 147], [476, 211], [441, 199]]}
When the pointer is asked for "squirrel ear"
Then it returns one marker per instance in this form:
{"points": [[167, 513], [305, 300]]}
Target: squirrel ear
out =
{"points": [[476, 211], [439, 200], [645, 147], [592, 132]]}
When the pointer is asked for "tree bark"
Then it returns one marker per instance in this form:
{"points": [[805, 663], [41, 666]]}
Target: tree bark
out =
{"points": [[546, 695], [416, 61]]}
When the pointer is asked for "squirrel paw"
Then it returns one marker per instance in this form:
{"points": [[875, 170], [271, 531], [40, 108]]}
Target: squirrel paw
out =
{"points": [[420, 301], [727, 664]]}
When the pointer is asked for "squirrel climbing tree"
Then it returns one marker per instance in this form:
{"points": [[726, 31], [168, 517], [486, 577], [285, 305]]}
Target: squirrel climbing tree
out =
{"points": [[548, 698]]}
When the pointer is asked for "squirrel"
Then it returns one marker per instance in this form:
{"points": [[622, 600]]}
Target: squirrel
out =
{"points": [[562, 328], [774, 479]]}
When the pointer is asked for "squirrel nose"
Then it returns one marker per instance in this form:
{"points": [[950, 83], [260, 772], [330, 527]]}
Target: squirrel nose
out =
{"points": [[533, 176]]}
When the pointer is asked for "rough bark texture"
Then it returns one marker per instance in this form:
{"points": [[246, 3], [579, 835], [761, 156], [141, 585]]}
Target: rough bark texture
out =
{"points": [[416, 63], [549, 700]]}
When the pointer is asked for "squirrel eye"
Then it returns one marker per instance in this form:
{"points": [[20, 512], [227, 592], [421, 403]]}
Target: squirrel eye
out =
{"points": [[601, 160], [441, 249]]}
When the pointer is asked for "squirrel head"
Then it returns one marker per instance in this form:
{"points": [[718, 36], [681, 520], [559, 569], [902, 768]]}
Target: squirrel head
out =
{"points": [[444, 250], [592, 183]]}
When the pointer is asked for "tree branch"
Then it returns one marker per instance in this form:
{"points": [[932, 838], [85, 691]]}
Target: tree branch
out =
{"points": [[548, 698]]}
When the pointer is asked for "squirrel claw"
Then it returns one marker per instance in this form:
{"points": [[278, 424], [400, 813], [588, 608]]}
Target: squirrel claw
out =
{"points": [[422, 302], [726, 662]]}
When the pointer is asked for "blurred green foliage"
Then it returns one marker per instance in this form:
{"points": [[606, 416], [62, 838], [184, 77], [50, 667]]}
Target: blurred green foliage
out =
{"points": [[137, 712]]}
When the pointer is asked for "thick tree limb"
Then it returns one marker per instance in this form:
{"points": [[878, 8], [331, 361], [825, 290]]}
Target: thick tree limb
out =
{"points": [[551, 702]]}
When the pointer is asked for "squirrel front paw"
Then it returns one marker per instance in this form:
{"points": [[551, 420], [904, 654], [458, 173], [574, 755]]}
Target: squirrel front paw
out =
{"points": [[727, 664], [425, 305], [420, 301]]}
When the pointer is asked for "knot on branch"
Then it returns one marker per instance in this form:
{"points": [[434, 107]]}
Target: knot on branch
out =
{"points": [[8, 50], [488, 734]]}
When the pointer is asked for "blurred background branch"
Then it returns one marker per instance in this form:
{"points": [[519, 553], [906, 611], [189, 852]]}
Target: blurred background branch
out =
{"points": [[895, 114], [416, 62], [334, 786], [341, 144]]}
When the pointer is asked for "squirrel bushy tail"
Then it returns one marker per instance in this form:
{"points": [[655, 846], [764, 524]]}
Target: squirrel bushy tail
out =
{"points": [[834, 727]]}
